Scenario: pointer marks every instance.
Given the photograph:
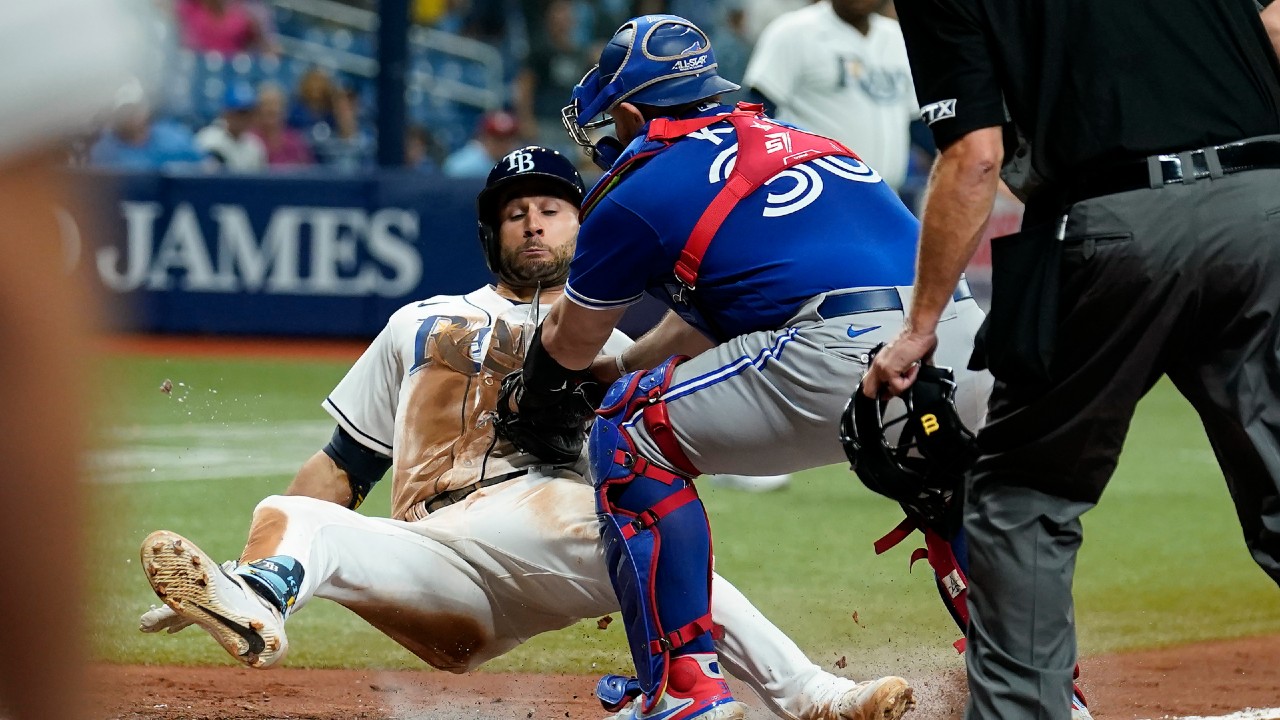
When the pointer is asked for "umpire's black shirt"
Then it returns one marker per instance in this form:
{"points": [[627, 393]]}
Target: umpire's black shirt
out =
{"points": [[1093, 82]]}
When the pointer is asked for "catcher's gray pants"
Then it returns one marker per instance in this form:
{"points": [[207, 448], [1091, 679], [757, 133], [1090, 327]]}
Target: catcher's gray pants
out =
{"points": [[1183, 280], [770, 402]]}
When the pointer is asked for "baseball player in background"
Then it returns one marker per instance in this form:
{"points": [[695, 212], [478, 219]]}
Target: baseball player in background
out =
{"points": [[63, 61], [784, 260], [840, 68], [486, 546]]}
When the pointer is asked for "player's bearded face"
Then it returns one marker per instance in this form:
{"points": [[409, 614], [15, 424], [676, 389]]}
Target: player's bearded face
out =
{"points": [[538, 236]]}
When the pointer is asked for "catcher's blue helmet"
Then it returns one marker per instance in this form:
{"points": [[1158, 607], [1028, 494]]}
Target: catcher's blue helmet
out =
{"points": [[545, 170], [659, 60]]}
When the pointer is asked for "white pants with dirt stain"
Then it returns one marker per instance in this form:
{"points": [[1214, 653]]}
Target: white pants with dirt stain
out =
{"points": [[477, 578]]}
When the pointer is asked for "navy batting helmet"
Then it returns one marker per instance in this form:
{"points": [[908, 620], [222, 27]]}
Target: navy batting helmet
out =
{"points": [[923, 467], [538, 170], [658, 60]]}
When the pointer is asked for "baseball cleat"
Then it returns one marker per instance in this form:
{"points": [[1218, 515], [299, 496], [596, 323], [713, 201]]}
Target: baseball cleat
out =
{"points": [[199, 591], [695, 689], [162, 617], [888, 698]]}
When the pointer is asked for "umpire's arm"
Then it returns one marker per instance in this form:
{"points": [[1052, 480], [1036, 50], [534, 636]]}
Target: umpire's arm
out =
{"points": [[960, 99], [1271, 21], [958, 202]]}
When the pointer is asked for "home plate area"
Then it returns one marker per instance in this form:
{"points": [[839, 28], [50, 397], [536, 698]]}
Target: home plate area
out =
{"points": [[1220, 680]]}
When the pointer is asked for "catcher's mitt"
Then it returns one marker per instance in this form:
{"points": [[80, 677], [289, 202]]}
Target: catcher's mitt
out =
{"points": [[550, 426]]}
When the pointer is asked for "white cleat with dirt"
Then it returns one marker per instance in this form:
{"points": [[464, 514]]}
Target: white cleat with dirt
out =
{"points": [[888, 698], [198, 591]]}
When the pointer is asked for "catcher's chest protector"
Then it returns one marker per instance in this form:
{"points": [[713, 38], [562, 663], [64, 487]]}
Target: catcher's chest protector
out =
{"points": [[765, 149]]}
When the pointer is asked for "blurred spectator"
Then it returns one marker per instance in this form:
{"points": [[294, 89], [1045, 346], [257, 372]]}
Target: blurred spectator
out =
{"points": [[733, 48], [428, 12], [421, 151], [759, 13], [263, 14], [498, 134], [650, 7], [221, 26], [344, 146], [227, 140], [706, 15], [285, 145], [313, 103], [555, 65], [487, 20], [136, 142], [609, 16], [840, 69]]}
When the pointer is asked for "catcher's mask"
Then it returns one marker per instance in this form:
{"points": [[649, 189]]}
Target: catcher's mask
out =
{"points": [[538, 171], [657, 60], [914, 449]]}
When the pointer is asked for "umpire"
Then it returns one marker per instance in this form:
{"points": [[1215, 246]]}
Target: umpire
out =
{"points": [[1147, 138]]}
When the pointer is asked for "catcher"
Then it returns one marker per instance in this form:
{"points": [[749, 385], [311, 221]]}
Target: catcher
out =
{"points": [[783, 260], [486, 546]]}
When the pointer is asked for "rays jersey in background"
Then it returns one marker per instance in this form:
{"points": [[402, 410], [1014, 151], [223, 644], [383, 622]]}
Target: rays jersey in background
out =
{"points": [[827, 77]]}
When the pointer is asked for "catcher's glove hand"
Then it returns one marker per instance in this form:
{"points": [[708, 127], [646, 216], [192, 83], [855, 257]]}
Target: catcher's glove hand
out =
{"points": [[551, 428]]}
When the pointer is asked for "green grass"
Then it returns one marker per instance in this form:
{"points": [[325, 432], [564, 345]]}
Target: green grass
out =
{"points": [[1163, 560]]}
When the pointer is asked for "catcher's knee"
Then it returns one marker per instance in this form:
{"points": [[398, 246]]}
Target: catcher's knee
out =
{"points": [[637, 398]]}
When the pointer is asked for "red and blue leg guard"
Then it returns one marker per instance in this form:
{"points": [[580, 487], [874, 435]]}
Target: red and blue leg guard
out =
{"points": [[643, 508]]}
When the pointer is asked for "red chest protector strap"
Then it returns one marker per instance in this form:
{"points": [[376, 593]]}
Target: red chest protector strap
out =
{"points": [[943, 561], [764, 150]]}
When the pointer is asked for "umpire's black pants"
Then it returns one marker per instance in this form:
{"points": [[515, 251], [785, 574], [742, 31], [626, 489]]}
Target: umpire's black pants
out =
{"points": [[1181, 280]]}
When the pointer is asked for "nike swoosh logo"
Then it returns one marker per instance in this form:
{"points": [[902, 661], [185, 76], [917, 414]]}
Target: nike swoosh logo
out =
{"points": [[256, 643], [853, 332], [669, 711]]}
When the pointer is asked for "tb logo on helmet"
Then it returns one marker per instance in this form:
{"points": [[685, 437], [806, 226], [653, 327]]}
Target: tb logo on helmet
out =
{"points": [[520, 161], [539, 171]]}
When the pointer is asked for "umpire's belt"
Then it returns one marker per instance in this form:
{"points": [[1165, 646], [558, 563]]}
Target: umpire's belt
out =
{"points": [[1232, 158], [865, 301], [449, 497]]}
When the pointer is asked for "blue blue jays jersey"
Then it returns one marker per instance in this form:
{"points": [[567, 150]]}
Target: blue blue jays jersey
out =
{"points": [[827, 224]]}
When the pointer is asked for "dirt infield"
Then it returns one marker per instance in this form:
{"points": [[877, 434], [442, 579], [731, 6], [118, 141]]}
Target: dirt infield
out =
{"points": [[1209, 679]]}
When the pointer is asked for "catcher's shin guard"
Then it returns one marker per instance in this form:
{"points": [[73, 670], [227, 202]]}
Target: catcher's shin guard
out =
{"points": [[665, 597]]}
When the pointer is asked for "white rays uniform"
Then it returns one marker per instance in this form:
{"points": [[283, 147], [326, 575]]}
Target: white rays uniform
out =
{"points": [[469, 581], [831, 79]]}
